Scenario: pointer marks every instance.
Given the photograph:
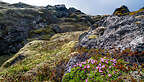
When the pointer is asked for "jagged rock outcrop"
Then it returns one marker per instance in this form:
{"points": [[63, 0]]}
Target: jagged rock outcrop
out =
{"points": [[123, 10], [21, 5]]}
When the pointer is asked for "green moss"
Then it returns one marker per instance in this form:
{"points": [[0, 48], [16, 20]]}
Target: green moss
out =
{"points": [[135, 12], [43, 34]]}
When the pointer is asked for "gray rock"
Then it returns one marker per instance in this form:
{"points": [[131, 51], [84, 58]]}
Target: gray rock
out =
{"points": [[56, 28], [120, 30]]}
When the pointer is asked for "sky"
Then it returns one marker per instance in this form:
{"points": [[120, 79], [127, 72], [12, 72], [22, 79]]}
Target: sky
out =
{"points": [[91, 7]]}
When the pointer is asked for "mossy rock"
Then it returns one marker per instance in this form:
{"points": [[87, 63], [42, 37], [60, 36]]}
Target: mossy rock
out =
{"points": [[122, 11], [92, 36], [136, 12]]}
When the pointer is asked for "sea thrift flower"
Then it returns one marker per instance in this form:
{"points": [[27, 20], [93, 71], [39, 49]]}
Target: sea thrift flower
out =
{"points": [[103, 66], [111, 60], [114, 61], [113, 64], [86, 80], [100, 70], [89, 61], [83, 62], [99, 64], [102, 59], [109, 75], [80, 65], [88, 66], [97, 67], [74, 65], [85, 66], [92, 61], [106, 62], [109, 67]]}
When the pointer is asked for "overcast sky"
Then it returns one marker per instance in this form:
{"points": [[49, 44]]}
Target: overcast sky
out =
{"points": [[91, 7]]}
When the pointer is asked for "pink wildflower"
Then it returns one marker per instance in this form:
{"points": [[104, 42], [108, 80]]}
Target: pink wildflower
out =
{"points": [[102, 59], [110, 67], [106, 62], [100, 70], [80, 65], [89, 61], [99, 64], [109, 75], [97, 67], [83, 62], [114, 61], [113, 64], [103, 66], [88, 66], [85, 66], [74, 65], [92, 61], [86, 80]]}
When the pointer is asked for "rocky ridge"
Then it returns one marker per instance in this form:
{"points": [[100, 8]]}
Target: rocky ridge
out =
{"points": [[21, 22]]}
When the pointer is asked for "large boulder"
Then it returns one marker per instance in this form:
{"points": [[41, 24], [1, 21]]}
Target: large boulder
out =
{"points": [[119, 32], [114, 32]]}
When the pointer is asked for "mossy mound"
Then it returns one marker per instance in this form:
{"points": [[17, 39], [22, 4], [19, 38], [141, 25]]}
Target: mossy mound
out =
{"points": [[41, 60]]}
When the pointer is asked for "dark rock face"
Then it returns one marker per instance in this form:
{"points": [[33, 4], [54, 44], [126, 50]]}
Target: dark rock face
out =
{"points": [[16, 24], [73, 10], [56, 29], [123, 10], [21, 5]]}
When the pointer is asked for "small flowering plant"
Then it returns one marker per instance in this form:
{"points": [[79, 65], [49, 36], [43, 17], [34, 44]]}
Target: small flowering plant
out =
{"points": [[102, 69]]}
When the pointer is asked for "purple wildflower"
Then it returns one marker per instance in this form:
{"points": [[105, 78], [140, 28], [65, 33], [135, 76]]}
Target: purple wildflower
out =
{"points": [[74, 65], [106, 62], [102, 59], [100, 70], [97, 67], [88, 66], [110, 67], [83, 62], [85, 67], [92, 61], [114, 61], [86, 80], [80, 65], [109, 75], [103, 66], [113, 64], [99, 64]]}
